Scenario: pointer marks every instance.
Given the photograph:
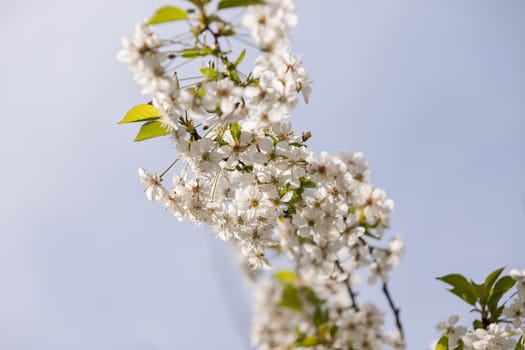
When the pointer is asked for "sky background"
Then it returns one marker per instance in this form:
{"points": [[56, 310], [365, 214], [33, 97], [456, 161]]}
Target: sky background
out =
{"points": [[432, 92]]}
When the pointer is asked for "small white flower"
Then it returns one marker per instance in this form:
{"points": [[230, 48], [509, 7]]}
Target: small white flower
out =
{"points": [[145, 61], [192, 103], [519, 277], [254, 202], [515, 311], [169, 111], [204, 155], [223, 94], [144, 42], [395, 340], [396, 248], [454, 332], [494, 338], [517, 274], [153, 187]]}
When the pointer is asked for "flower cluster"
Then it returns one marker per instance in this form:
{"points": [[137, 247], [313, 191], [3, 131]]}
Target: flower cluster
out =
{"points": [[493, 338], [269, 24], [249, 176], [320, 323], [516, 310]]}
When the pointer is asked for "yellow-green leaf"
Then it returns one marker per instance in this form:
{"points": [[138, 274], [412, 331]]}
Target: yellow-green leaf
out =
{"points": [[168, 14], [235, 129], [196, 52], [477, 324], [210, 73], [240, 58], [491, 279], [520, 345], [286, 277], [224, 4], [308, 342], [140, 113], [290, 298], [199, 3], [442, 344], [150, 130]]}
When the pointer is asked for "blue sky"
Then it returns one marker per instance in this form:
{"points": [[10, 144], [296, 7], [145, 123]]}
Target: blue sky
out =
{"points": [[432, 92]]}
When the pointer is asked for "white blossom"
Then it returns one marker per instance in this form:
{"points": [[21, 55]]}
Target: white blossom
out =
{"points": [[152, 185], [145, 61], [519, 277], [493, 338], [454, 332], [223, 94], [515, 311]]}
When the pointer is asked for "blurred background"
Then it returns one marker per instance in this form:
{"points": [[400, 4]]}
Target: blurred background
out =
{"points": [[432, 92]]}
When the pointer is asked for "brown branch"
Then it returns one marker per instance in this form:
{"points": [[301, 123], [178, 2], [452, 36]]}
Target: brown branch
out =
{"points": [[351, 292], [395, 310]]}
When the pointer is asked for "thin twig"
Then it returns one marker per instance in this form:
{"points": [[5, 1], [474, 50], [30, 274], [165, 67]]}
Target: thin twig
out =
{"points": [[168, 169], [351, 292], [395, 309], [245, 42], [510, 297]]}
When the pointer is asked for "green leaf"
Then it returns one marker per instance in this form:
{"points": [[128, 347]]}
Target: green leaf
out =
{"points": [[150, 130], [333, 331], [455, 280], [224, 4], [495, 313], [325, 330], [168, 14], [504, 284], [477, 324], [240, 58], [460, 345], [286, 277], [480, 292], [464, 294], [140, 113], [307, 183], [231, 71], [520, 345], [311, 297], [199, 3], [290, 298], [216, 19], [235, 129], [501, 287], [210, 73], [306, 342], [320, 316], [462, 287], [442, 344], [191, 53], [491, 279], [196, 52]]}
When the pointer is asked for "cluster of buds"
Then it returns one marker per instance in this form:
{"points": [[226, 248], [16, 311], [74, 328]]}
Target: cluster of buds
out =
{"points": [[249, 176]]}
